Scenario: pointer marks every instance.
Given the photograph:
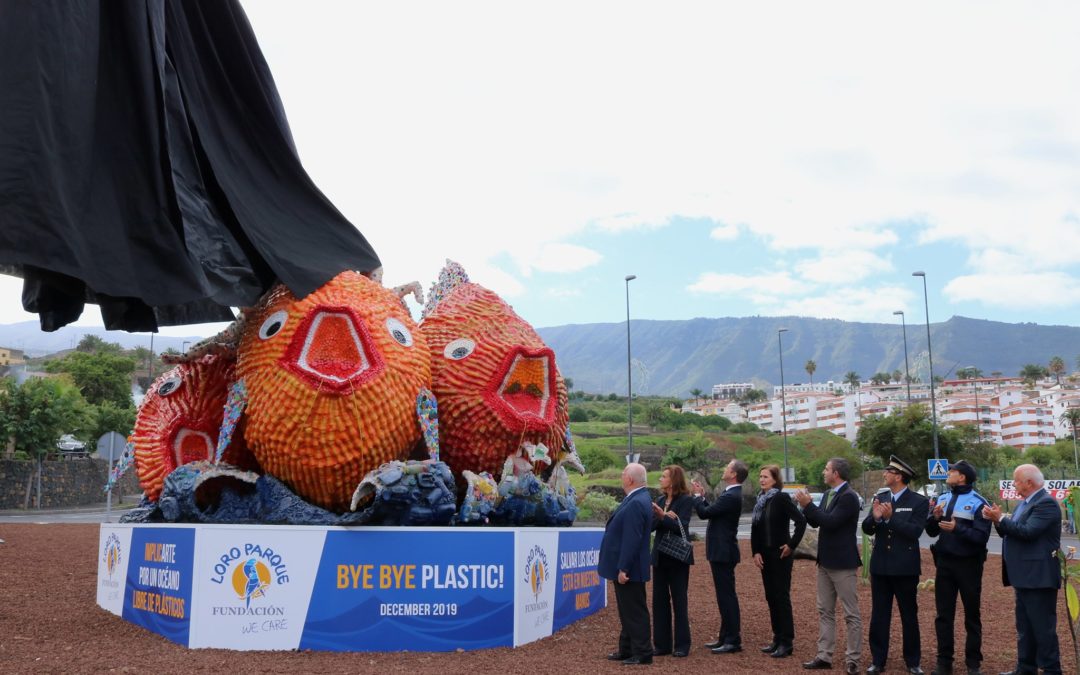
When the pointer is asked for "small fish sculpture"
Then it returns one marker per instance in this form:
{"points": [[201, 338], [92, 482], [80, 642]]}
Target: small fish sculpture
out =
{"points": [[179, 419]]}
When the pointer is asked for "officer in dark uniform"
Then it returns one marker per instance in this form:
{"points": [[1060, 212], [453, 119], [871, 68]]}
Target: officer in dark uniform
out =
{"points": [[959, 555], [897, 519]]}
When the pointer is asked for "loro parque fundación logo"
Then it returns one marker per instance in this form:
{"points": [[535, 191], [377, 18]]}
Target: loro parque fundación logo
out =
{"points": [[536, 570], [251, 572], [112, 555]]}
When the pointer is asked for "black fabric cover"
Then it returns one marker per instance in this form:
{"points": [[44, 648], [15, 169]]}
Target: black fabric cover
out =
{"points": [[146, 165]]}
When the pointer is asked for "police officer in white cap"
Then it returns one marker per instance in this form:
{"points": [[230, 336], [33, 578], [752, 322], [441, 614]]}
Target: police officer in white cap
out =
{"points": [[959, 554]]}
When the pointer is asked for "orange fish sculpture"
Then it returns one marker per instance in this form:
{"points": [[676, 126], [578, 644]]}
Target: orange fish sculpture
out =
{"points": [[498, 389], [332, 383], [179, 419]]}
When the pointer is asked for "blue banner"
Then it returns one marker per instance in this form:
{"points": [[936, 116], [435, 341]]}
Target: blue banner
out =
{"points": [[157, 595], [579, 590], [412, 590]]}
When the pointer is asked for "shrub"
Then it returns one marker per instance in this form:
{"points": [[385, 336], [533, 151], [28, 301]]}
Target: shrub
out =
{"points": [[578, 414], [744, 428], [596, 506], [596, 459], [612, 416]]}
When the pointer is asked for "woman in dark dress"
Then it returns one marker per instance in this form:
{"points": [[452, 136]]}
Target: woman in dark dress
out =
{"points": [[671, 577], [772, 544]]}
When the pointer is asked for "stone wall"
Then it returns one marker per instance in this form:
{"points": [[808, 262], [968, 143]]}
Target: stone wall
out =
{"points": [[64, 483]]}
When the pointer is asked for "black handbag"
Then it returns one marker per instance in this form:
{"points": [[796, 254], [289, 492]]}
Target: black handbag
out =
{"points": [[678, 547]]}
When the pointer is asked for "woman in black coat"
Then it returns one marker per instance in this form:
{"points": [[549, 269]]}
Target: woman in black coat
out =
{"points": [[772, 544], [671, 577]]}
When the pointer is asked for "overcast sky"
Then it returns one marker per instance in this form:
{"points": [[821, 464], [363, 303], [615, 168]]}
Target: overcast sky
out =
{"points": [[740, 158]]}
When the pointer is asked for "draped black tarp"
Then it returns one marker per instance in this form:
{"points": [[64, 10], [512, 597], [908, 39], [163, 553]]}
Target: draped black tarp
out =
{"points": [[146, 165]]}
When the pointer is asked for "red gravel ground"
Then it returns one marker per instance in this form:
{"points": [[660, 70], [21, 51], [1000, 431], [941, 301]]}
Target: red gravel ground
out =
{"points": [[49, 622]]}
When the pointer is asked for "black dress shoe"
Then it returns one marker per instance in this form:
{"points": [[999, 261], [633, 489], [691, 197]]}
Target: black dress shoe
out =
{"points": [[678, 653], [661, 652], [727, 649], [637, 661], [771, 647], [817, 664], [947, 670], [714, 645], [617, 656], [916, 670], [871, 669], [782, 652], [975, 671]]}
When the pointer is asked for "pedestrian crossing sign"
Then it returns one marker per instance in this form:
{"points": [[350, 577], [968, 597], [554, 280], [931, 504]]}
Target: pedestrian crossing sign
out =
{"points": [[938, 468]]}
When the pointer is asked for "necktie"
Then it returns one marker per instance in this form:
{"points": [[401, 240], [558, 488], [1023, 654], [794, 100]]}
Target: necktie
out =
{"points": [[1019, 510], [950, 507], [828, 498]]}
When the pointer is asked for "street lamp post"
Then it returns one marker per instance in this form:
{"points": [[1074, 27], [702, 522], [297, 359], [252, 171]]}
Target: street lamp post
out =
{"points": [[629, 387], [783, 398], [183, 347], [930, 360], [907, 371]]}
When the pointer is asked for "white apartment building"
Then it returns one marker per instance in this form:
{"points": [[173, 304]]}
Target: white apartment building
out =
{"points": [[731, 390], [827, 387], [731, 410]]}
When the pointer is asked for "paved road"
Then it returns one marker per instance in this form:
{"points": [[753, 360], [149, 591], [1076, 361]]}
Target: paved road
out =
{"points": [[97, 514]]}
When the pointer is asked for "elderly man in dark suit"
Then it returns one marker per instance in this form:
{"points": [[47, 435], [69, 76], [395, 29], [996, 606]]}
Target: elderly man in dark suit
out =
{"points": [[722, 551], [1031, 538], [838, 559], [896, 520], [624, 559]]}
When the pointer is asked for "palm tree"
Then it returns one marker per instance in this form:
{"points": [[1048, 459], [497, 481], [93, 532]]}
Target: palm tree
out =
{"points": [[1057, 367], [696, 393], [811, 368], [852, 378], [1072, 418], [1032, 373]]}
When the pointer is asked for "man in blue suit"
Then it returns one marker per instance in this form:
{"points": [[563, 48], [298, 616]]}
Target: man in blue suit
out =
{"points": [[624, 559], [1031, 539]]}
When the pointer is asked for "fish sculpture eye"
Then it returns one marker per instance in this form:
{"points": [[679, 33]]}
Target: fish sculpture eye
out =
{"points": [[399, 332], [273, 324], [459, 349], [169, 386]]}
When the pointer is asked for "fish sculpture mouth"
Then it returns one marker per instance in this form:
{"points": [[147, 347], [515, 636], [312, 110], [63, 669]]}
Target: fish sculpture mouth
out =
{"points": [[522, 391], [191, 444], [332, 349]]}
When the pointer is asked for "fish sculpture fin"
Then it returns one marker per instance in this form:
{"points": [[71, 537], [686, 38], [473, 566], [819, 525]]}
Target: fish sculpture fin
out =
{"points": [[234, 409], [127, 459], [427, 412], [450, 277]]}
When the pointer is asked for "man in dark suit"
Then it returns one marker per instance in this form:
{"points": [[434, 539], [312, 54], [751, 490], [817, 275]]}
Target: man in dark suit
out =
{"points": [[624, 559], [722, 551], [896, 520], [837, 520], [1031, 539]]}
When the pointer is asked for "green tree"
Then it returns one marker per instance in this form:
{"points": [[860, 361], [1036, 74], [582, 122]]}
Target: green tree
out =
{"points": [[811, 368], [881, 378], [110, 417], [692, 455], [696, 393], [100, 377], [1057, 367], [655, 415], [578, 414], [751, 397], [1032, 373], [35, 414], [852, 378], [897, 376], [569, 381], [908, 434], [969, 373]]}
